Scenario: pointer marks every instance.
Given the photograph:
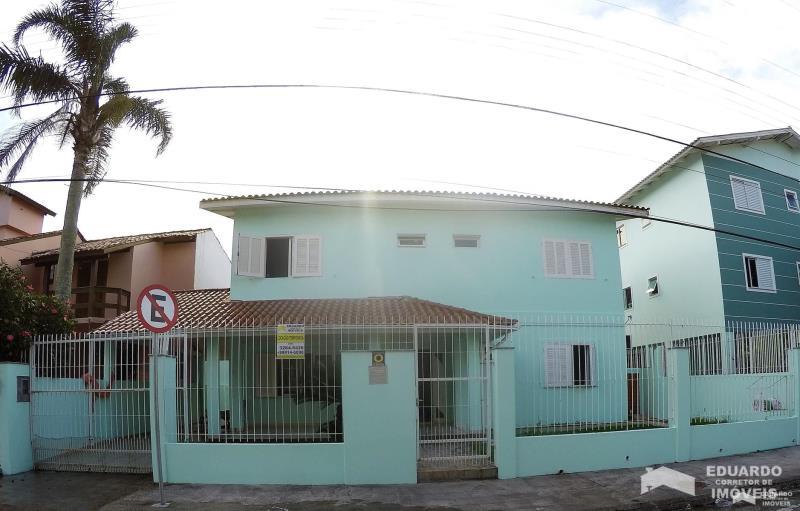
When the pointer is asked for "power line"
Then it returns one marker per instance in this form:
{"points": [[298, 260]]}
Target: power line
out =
{"points": [[410, 92], [498, 200]]}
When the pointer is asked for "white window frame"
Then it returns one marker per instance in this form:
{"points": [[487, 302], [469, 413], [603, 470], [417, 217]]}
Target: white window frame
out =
{"points": [[291, 250], [568, 274], [759, 289], [786, 193], [622, 236], [295, 272], [249, 272], [761, 195], [468, 237], [657, 287], [407, 235], [566, 378], [624, 303]]}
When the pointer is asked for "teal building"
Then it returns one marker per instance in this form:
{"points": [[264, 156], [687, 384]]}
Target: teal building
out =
{"points": [[742, 262]]}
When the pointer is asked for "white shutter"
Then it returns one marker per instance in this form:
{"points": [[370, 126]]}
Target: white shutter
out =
{"points": [[587, 264], [570, 259], [747, 195], [549, 258], [557, 365], [766, 275], [307, 256], [250, 256]]}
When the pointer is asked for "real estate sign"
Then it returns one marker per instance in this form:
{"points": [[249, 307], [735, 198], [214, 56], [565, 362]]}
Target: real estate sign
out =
{"points": [[291, 342]]}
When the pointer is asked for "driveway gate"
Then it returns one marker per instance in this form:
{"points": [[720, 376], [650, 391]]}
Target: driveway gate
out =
{"points": [[453, 404], [90, 403]]}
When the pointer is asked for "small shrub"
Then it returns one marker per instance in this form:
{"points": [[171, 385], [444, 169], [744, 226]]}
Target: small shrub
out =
{"points": [[24, 314]]}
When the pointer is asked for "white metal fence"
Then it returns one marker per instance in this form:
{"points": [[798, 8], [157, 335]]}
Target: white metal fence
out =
{"points": [[579, 374], [236, 385], [90, 403]]}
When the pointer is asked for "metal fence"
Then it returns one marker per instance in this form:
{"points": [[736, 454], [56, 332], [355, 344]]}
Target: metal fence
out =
{"points": [[579, 374], [244, 384], [90, 406]]}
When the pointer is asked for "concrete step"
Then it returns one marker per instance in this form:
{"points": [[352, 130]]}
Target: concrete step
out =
{"points": [[434, 474]]}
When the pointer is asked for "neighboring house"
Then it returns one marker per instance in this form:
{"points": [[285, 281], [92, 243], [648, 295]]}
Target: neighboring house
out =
{"points": [[19, 214], [110, 273], [672, 271], [21, 220]]}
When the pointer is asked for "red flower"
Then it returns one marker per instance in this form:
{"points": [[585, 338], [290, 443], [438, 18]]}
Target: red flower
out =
{"points": [[29, 287], [53, 310], [25, 333], [9, 337]]}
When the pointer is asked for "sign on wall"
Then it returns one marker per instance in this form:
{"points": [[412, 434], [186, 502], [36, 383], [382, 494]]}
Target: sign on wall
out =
{"points": [[291, 342]]}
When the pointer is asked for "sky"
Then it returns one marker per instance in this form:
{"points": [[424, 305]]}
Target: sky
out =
{"points": [[681, 69]]}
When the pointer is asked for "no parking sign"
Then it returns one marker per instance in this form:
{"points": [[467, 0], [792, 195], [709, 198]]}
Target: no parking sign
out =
{"points": [[157, 308]]}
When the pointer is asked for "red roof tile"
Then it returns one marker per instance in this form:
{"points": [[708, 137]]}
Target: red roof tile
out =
{"points": [[212, 308]]}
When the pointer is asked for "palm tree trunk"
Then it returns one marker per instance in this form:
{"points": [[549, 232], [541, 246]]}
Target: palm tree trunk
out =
{"points": [[66, 254]]}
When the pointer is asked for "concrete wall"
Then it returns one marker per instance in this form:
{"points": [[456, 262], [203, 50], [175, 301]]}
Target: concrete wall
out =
{"points": [[683, 258], [360, 258], [379, 441], [178, 264], [212, 266], [15, 437], [20, 215]]}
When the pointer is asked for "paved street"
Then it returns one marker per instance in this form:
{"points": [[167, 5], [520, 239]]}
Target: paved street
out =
{"points": [[603, 490]]}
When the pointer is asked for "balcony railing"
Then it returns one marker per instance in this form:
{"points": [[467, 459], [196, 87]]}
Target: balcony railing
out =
{"points": [[96, 301]]}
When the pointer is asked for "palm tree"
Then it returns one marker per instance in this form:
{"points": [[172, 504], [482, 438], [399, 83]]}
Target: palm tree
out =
{"points": [[92, 103]]}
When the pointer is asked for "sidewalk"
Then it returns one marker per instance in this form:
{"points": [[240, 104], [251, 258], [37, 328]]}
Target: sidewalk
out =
{"points": [[603, 490]]}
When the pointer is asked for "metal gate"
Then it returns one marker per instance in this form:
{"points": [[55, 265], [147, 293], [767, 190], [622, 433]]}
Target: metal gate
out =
{"points": [[90, 403], [453, 398]]}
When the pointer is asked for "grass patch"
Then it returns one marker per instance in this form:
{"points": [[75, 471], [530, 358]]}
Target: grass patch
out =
{"points": [[571, 429]]}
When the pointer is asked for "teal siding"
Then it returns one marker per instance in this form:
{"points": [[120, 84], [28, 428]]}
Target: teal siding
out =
{"points": [[778, 224]]}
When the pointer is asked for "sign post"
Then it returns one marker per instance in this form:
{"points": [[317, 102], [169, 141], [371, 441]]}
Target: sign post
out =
{"points": [[157, 309]]}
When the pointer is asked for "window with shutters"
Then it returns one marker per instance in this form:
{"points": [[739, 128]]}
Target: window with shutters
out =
{"points": [[250, 256], [759, 273], [747, 195], [568, 259], [306, 256], [569, 365], [792, 204]]}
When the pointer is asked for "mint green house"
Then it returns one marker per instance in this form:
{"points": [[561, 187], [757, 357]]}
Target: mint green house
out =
{"points": [[748, 187]]}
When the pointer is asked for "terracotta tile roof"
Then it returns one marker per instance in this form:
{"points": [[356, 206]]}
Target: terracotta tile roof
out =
{"points": [[120, 242], [497, 198], [211, 308]]}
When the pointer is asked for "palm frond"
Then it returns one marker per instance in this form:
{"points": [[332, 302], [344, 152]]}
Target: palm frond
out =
{"points": [[18, 143], [138, 113], [25, 76], [110, 42], [57, 23], [114, 85]]}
